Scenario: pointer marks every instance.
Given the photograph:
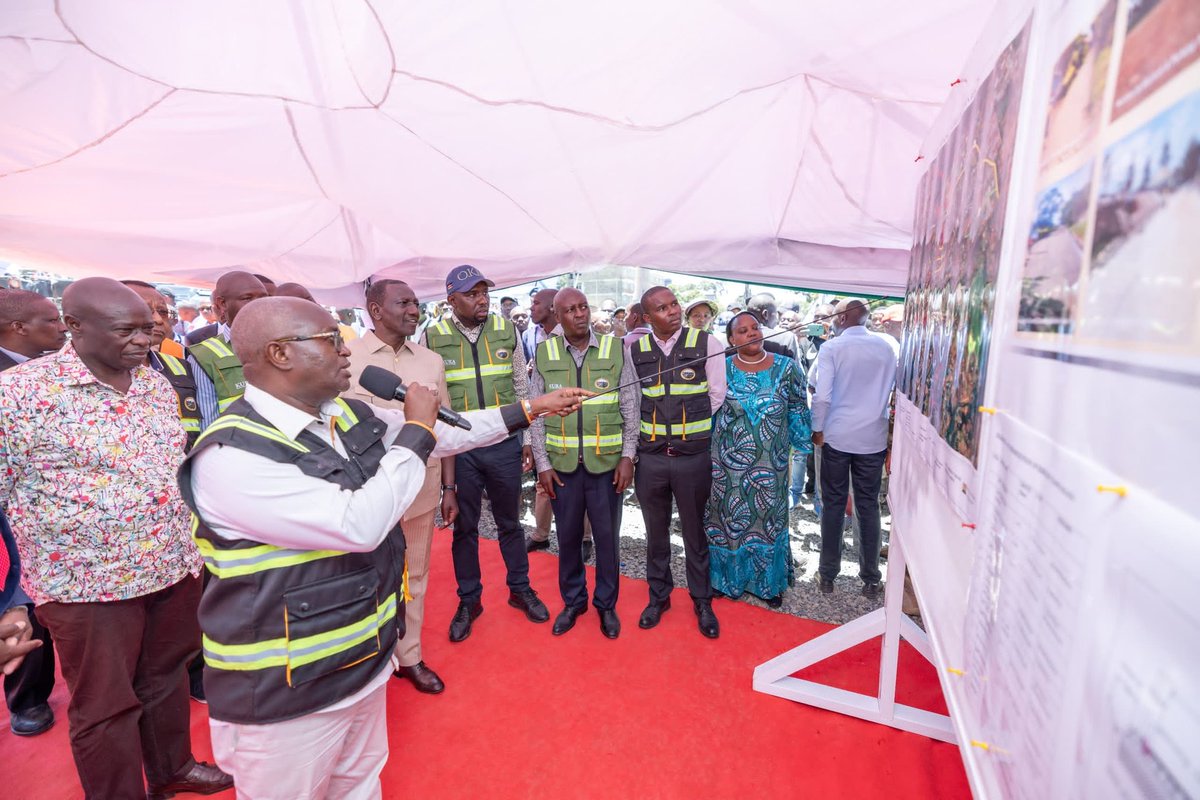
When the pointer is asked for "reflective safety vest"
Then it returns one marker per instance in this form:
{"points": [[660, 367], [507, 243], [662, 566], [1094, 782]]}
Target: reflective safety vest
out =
{"points": [[288, 632], [221, 364], [479, 374], [179, 373], [591, 436], [676, 413]]}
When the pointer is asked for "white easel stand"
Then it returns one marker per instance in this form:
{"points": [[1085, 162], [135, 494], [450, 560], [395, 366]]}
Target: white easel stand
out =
{"points": [[774, 676]]}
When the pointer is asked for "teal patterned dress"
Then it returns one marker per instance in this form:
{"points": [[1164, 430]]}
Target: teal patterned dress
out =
{"points": [[764, 416]]}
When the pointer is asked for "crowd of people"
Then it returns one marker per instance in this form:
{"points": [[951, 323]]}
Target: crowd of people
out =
{"points": [[227, 507]]}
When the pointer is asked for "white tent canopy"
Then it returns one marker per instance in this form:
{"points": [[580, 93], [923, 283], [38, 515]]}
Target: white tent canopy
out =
{"points": [[331, 140]]}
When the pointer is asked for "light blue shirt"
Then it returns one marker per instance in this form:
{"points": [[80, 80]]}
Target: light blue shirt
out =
{"points": [[856, 373]]}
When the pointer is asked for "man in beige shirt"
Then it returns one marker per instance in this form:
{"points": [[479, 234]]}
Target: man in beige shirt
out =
{"points": [[394, 310]]}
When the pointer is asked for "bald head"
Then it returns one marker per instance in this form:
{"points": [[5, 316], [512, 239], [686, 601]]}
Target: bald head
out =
{"points": [[234, 290], [851, 312], [567, 297], [110, 327], [274, 318], [541, 308], [94, 298], [294, 290]]}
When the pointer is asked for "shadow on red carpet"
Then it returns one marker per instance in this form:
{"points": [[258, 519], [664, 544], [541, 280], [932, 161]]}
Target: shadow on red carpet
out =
{"points": [[660, 713]]}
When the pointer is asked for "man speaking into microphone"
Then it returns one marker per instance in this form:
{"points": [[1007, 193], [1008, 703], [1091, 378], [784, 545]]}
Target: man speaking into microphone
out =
{"points": [[298, 496]]}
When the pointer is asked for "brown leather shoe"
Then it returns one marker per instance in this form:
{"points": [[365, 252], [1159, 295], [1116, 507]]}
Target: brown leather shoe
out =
{"points": [[200, 778], [422, 677]]}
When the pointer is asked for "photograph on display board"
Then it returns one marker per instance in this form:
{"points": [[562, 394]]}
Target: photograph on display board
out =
{"points": [[1077, 88], [1142, 286], [1162, 37], [1050, 279]]}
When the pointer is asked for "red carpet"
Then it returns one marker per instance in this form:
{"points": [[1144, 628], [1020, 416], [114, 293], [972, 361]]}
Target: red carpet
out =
{"points": [[660, 713]]}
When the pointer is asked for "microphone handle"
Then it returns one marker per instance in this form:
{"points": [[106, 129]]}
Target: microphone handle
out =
{"points": [[446, 415]]}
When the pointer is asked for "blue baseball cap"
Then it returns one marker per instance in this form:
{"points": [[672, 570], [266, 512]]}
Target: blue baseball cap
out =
{"points": [[464, 278]]}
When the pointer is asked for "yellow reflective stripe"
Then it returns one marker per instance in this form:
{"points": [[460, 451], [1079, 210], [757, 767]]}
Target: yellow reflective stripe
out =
{"points": [[190, 424], [248, 425], [644, 343], [605, 399], [275, 652], [554, 440], [348, 419], [658, 390], [693, 335], [689, 388], [653, 429], [552, 350], [227, 402], [456, 375], [226, 563], [606, 346], [174, 364], [499, 323], [217, 346], [496, 369], [443, 327]]}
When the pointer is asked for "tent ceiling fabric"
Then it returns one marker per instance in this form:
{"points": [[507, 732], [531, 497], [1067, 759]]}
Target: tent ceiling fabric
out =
{"points": [[326, 142]]}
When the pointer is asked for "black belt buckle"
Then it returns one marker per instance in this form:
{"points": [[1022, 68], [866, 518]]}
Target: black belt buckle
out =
{"points": [[671, 451]]}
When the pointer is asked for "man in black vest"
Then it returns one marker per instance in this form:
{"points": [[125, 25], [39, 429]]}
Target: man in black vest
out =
{"points": [[30, 326], [682, 379], [299, 494]]}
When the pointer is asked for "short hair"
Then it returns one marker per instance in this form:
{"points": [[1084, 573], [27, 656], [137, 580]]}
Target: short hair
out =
{"points": [[650, 292], [264, 278], [378, 290], [130, 282], [15, 305]]}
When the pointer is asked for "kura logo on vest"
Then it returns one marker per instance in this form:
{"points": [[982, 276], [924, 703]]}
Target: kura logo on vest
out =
{"points": [[502, 353], [451, 362]]}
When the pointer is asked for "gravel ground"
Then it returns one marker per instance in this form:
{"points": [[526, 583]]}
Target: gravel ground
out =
{"points": [[803, 599]]}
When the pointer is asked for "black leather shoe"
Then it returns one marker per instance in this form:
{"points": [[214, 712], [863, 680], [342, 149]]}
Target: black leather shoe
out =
{"points": [[38, 719], [422, 677], [706, 619], [460, 626], [535, 610], [826, 585], [870, 590], [775, 602], [566, 619], [199, 778], [534, 544], [610, 625], [587, 549], [653, 614]]}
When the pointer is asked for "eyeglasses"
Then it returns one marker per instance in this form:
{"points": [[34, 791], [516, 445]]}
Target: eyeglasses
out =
{"points": [[335, 338]]}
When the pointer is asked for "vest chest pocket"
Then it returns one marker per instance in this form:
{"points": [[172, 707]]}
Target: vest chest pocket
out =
{"points": [[334, 623]]}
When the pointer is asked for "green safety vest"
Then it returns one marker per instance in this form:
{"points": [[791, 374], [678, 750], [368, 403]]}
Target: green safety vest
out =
{"points": [[676, 414], [288, 632], [179, 374], [478, 374], [221, 364], [591, 436]]}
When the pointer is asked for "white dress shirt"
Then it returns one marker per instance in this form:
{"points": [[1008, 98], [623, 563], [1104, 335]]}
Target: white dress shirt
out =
{"points": [[856, 373], [243, 495]]}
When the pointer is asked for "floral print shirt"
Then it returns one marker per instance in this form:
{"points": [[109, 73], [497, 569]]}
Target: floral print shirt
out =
{"points": [[88, 477]]}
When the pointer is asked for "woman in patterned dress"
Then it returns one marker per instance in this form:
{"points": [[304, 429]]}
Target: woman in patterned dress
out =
{"points": [[764, 416]]}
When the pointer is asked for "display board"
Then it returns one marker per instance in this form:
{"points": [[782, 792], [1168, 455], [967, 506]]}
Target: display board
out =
{"points": [[1046, 506]]}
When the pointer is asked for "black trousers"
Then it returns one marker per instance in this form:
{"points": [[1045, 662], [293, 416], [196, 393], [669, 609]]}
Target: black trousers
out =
{"points": [[498, 470], [32, 682], [838, 471], [584, 495], [687, 480]]}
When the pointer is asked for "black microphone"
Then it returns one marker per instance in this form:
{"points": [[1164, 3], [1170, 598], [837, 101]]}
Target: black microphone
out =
{"points": [[381, 383]]}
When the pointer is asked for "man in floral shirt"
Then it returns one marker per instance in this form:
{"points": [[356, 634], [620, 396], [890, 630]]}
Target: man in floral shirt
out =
{"points": [[90, 439]]}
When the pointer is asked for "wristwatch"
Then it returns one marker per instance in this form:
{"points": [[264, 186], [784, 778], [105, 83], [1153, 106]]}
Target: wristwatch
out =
{"points": [[449, 487]]}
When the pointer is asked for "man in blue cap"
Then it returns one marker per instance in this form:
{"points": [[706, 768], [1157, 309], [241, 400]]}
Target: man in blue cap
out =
{"points": [[485, 368]]}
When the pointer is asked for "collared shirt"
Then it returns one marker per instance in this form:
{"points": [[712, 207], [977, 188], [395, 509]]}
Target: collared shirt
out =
{"points": [[629, 401], [17, 357], [413, 364], [856, 373], [224, 332], [520, 373], [714, 366], [88, 475]]}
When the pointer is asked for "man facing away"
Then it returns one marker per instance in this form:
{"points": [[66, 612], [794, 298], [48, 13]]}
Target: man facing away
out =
{"points": [[394, 310], [485, 368], [298, 495], [682, 380], [856, 373], [90, 439], [212, 346], [585, 460]]}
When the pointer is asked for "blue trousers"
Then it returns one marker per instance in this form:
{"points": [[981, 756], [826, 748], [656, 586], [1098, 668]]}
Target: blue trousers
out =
{"points": [[584, 495]]}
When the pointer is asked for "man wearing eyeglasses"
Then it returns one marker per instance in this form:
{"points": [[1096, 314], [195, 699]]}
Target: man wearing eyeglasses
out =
{"points": [[298, 493], [395, 311], [485, 368]]}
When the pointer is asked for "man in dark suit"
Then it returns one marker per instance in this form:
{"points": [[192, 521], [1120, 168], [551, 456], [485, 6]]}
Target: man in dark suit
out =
{"points": [[30, 326]]}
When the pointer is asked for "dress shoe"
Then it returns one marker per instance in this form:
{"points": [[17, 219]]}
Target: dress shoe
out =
{"points": [[653, 613], [566, 619], [199, 778], [610, 625], [826, 585], [460, 626], [422, 677], [588, 547], [38, 719], [706, 620], [534, 544], [535, 610], [775, 602], [870, 590]]}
